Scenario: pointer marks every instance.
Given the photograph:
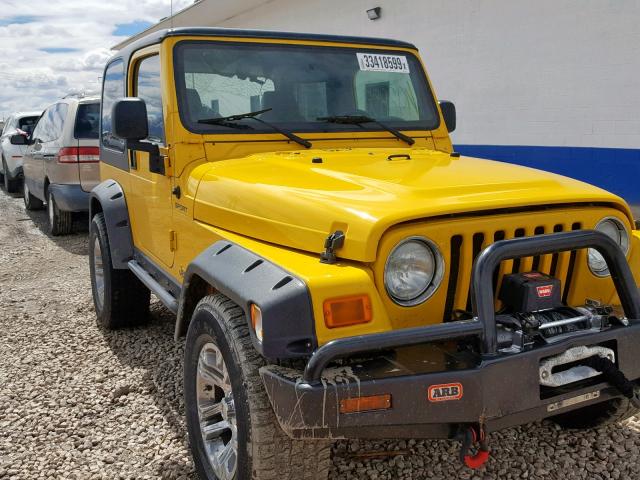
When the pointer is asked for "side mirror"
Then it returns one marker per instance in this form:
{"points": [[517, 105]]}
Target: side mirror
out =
{"points": [[18, 139], [449, 114], [129, 121]]}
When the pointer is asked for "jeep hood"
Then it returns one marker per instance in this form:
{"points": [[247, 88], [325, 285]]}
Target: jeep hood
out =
{"points": [[296, 199]]}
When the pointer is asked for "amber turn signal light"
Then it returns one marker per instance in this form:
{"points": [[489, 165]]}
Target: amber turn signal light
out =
{"points": [[365, 404], [256, 321], [344, 311]]}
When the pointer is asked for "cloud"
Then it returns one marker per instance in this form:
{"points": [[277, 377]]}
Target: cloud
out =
{"points": [[48, 51]]}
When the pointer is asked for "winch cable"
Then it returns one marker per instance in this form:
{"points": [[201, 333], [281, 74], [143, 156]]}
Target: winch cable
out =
{"points": [[615, 377]]}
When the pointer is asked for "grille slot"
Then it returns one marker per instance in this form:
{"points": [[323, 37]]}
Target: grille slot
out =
{"points": [[465, 248]]}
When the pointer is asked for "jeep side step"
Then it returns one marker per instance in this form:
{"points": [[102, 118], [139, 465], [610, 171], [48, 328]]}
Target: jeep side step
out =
{"points": [[162, 293]]}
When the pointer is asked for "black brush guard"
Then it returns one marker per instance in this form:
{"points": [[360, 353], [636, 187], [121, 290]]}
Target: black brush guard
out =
{"points": [[307, 405]]}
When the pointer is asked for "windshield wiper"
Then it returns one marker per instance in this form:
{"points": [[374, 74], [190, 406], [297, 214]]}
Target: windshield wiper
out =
{"points": [[360, 119], [229, 122]]}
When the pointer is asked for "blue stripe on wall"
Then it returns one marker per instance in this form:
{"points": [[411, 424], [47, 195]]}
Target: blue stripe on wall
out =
{"points": [[614, 169]]}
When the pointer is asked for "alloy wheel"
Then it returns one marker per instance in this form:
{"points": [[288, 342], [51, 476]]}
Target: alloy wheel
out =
{"points": [[216, 412], [98, 273]]}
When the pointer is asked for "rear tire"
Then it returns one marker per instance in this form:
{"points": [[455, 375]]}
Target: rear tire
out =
{"points": [[30, 201], [230, 401], [60, 222], [10, 184], [120, 299], [597, 415]]}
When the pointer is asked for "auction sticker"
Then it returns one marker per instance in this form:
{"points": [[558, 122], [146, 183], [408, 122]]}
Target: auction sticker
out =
{"points": [[377, 62]]}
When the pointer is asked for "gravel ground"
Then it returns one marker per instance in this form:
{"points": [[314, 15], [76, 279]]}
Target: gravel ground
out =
{"points": [[77, 402]]}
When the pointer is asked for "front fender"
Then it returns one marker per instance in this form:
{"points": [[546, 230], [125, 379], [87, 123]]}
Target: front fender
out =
{"points": [[108, 198], [247, 278]]}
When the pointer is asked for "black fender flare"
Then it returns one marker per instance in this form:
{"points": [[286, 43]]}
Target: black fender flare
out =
{"points": [[108, 198], [246, 278]]}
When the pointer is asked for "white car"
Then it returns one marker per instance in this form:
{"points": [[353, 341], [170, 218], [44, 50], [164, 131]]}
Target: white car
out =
{"points": [[11, 165]]}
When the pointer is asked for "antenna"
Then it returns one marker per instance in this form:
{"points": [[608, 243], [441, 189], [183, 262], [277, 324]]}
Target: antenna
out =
{"points": [[171, 15]]}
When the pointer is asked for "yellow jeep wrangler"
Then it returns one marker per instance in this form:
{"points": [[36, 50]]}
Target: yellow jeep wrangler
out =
{"points": [[337, 269]]}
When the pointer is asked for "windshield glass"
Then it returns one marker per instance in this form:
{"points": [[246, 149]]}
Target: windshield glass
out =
{"points": [[301, 85]]}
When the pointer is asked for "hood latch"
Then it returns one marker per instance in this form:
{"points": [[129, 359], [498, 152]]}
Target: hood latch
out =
{"points": [[331, 244]]}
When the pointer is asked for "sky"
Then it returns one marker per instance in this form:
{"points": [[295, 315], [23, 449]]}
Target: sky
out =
{"points": [[49, 48]]}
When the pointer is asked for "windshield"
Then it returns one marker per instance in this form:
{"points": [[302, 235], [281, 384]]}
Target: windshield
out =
{"points": [[301, 85]]}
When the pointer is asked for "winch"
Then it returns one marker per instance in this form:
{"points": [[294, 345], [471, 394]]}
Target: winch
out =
{"points": [[533, 313]]}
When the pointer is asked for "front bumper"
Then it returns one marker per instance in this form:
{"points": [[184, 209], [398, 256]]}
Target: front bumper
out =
{"points": [[496, 389], [70, 198]]}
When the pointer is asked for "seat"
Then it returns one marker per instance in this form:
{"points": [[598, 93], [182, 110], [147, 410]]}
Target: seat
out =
{"points": [[194, 104]]}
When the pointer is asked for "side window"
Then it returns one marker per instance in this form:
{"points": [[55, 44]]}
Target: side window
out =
{"points": [[27, 122], [148, 89], [87, 119], [51, 123], [58, 116], [112, 90], [42, 127]]}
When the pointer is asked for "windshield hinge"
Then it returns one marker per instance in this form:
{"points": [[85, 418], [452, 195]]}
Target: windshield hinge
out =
{"points": [[331, 244]]}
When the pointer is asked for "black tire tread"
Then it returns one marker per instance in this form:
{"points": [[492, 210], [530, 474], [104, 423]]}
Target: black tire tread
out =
{"points": [[129, 302], [10, 184], [275, 455], [597, 415], [31, 203], [62, 221]]}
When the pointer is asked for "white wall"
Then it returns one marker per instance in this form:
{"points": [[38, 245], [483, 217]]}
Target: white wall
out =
{"points": [[544, 72]]}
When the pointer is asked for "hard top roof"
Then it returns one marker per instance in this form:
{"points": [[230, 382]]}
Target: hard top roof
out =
{"points": [[157, 37]]}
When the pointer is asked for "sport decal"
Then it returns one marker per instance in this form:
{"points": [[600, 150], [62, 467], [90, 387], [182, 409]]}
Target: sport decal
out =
{"points": [[445, 392]]}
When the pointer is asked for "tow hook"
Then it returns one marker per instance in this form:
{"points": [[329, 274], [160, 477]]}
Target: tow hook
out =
{"points": [[469, 437]]}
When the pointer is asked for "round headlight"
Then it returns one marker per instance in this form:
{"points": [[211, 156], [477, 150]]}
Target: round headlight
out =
{"points": [[413, 271], [614, 228]]}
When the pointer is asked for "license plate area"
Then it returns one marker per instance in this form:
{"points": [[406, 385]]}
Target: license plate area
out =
{"points": [[585, 397]]}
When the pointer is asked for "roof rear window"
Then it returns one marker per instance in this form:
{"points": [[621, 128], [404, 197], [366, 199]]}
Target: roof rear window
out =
{"points": [[87, 120]]}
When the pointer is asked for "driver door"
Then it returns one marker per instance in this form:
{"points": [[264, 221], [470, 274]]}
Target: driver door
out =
{"points": [[150, 194]]}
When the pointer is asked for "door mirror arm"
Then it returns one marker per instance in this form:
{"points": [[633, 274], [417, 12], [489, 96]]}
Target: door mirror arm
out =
{"points": [[156, 161]]}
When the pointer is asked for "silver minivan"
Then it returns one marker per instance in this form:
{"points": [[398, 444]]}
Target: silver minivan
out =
{"points": [[61, 161]]}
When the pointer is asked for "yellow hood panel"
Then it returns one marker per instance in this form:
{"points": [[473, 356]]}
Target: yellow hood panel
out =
{"points": [[287, 199]]}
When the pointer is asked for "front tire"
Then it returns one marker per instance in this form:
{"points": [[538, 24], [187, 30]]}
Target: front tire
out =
{"points": [[10, 184], [597, 415], [119, 297], [31, 202], [60, 222], [233, 431]]}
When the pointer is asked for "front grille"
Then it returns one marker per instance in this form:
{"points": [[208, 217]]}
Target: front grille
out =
{"points": [[462, 238], [465, 248]]}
